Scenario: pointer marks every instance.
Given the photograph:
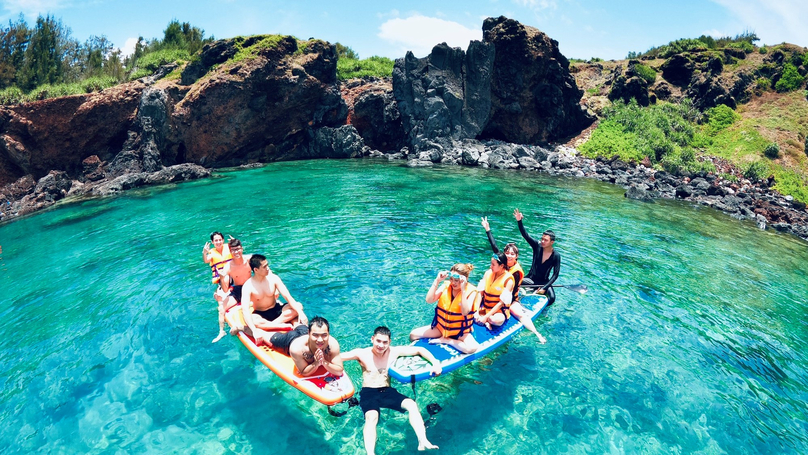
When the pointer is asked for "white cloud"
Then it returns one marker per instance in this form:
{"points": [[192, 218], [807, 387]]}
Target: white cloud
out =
{"points": [[128, 47], [33, 8], [714, 33], [537, 4], [774, 21], [420, 34]]}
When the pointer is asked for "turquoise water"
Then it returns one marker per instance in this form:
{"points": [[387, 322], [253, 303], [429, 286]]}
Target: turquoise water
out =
{"points": [[693, 337]]}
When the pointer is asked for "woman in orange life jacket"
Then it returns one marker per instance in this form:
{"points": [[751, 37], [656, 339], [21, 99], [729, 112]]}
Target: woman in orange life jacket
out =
{"points": [[454, 314], [515, 268], [218, 256]]}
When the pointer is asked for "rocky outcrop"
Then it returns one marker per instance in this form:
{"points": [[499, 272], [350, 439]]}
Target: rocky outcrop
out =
{"points": [[446, 94], [373, 111], [629, 86], [534, 98]]}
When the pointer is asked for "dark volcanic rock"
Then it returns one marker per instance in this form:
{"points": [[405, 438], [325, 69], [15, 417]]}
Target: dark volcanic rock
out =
{"points": [[376, 118], [534, 98], [678, 70], [446, 94]]}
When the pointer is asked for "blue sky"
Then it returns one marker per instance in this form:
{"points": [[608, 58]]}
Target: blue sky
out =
{"points": [[583, 28]]}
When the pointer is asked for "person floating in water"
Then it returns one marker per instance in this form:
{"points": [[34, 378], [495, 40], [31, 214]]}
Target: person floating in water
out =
{"points": [[454, 314], [515, 268], [376, 391], [545, 260], [260, 305]]}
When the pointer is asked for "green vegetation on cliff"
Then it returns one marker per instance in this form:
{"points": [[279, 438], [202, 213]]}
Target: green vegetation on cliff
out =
{"points": [[349, 68], [44, 61]]}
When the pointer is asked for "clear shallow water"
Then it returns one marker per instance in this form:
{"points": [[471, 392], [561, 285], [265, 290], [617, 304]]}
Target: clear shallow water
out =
{"points": [[693, 337]]}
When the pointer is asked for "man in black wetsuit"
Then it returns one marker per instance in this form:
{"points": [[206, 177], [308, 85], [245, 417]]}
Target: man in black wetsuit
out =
{"points": [[545, 259]]}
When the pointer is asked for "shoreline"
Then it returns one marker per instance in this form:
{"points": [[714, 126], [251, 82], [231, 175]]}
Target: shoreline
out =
{"points": [[740, 198]]}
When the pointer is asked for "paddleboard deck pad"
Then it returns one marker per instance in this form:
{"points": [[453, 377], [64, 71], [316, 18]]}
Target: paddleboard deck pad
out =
{"points": [[323, 386], [407, 369]]}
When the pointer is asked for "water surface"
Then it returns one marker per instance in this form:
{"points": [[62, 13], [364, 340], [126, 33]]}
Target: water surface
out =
{"points": [[692, 339]]}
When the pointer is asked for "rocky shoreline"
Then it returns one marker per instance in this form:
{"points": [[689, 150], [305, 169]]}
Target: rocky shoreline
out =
{"points": [[739, 197], [468, 108]]}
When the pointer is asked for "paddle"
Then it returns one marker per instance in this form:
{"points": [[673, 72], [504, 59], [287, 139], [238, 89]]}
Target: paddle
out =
{"points": [[572, 287]]}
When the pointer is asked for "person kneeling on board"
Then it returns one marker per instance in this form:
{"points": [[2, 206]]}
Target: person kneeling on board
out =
{"points": [[376, 391], [310, 347], [454, 314], [232, 278], [496, 288], [259, 303]]}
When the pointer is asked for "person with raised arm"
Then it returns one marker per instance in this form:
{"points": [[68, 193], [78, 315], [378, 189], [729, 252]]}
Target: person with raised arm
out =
{"points": [[377, 392], [545, 260], [515, 268], [454, 314], [496, 288], [232, 278]]}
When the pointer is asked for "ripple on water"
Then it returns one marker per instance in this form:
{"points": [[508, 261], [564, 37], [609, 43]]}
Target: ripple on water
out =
{"points": [[691, 339]]}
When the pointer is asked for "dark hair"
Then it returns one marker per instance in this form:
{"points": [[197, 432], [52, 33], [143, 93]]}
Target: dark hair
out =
{"points": [[550, 234], [382, 330], [320, 321], [511, 245], [234, 243], [256, 260], [215, 234], [501, 258]]}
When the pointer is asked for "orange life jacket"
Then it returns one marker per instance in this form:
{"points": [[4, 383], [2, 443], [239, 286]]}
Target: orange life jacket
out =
{"points": [[218, 260], [494, 287], [449, 317]]}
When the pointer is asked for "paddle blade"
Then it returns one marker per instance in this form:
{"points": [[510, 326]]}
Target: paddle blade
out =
{"points": [[578, 288]]}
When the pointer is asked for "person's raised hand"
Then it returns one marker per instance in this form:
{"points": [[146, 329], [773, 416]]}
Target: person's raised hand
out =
{"points": [[484, 222], [517, 214]]}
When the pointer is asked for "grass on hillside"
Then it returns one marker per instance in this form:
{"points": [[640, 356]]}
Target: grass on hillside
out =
{"points": [[350, 68], [13, 95]]}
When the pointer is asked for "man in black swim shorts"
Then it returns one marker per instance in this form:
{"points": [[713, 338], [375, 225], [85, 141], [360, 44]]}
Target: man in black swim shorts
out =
{"points": [[376, 390], [310, 347]]}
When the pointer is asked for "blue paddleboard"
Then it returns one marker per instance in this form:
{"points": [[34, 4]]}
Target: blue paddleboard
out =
{"points": [[406, 368]]}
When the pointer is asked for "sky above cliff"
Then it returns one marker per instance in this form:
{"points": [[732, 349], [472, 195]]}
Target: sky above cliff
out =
{"points": [[583, 28]]}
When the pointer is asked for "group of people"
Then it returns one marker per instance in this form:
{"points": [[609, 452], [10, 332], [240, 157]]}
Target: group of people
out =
{"points": [[247, 280]]}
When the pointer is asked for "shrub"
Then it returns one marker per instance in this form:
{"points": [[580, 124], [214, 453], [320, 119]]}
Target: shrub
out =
{"points": [[763, 50], [681, 45], [153, 60], [349, 68], [610, 139], [720, 117], [745, 45], [790, 80], [763, 84], [772, 151], [756, 170], [12, 95], [645, 72]]}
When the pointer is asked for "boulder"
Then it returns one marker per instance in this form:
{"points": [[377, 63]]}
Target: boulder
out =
{"points": [[534, 98], [678, 69]]}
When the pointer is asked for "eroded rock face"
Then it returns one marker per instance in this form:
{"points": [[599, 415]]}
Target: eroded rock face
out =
{"points": [[259, 109], [446, 94], [59, 133], [373, 111], [534, 98]]}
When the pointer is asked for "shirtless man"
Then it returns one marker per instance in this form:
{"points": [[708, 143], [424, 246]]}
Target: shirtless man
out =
{"points": [[259, 303], [233, 276], [310, 347], [376, 392]]}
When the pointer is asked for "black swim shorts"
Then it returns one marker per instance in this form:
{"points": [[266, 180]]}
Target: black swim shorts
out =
{"points": [[272, 313], [282, 340], [373, 399]]}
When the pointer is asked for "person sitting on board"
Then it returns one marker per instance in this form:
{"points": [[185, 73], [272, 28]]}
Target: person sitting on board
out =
{"points": [[496, 288], [260, 305], [515, 268], [376, 391], [233, 276], [310, 347], [545, 259], [218, 256], [454, 314]]}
